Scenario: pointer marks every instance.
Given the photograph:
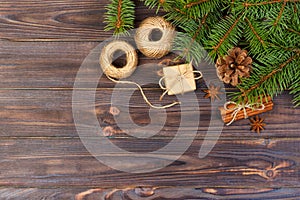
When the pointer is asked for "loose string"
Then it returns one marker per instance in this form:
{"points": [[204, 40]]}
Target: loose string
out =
{"points": [[242, 106], [180, 78], [143, 94]]}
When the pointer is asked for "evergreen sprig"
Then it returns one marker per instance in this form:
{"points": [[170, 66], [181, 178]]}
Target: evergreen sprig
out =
{"points": [[256, 35], [295, 89], [225, 35], [120, 16], [200, 8], [165, 4], [268, 29], [282, 66]]}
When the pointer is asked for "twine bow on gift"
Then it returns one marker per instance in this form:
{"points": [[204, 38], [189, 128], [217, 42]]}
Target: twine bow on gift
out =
{"points": [[181, 76], [238, 107]]}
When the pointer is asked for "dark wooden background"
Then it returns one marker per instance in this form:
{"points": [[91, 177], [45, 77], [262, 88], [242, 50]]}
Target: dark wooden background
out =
{"points": [[42, 45]]}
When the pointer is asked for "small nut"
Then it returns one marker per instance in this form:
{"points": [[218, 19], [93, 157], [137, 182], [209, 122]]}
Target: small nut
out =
{"points": [[144, 192], [114, 111], [108, 131]]}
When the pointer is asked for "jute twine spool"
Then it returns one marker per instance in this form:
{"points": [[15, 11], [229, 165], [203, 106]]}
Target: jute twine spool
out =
{"points": [[112, 72], [155, 48], [106, 59]]}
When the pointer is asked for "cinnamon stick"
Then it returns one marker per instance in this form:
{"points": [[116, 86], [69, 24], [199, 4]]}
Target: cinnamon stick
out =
{"points": [[228, 118], [228, 115], [249, 110], [231, 106]]}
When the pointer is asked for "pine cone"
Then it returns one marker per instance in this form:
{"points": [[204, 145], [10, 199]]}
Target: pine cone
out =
{"points": [[233, 66]]}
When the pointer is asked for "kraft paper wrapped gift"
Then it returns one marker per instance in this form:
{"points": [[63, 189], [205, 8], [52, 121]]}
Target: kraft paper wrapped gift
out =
{"points": [[179, 79]]}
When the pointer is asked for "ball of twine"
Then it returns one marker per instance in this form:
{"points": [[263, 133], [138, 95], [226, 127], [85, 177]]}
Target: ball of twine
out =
{"points": [[107, 56], [150, 47]]}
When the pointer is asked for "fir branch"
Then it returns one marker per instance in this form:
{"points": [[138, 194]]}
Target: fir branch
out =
{"points": [[199, 8], [270, 28], [120, 16], [225, 35], [255, 32], [197, 31], [188, 44], [187, 49], [216, 47], [267, 3], [176, 14], [119, 20], [266, 10], [293, 31], [280, 13], [291, 49], [271, 74], [295, 7], [182, 12], [295, 88], [181, 20], [166, 4], [191, 4]]}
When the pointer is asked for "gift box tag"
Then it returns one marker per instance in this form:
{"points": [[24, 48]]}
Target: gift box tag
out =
{"points": [[179, 79]]}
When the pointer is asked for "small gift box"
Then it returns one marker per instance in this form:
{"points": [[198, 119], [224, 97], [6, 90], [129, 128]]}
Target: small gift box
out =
{"points": [[179, 79]]}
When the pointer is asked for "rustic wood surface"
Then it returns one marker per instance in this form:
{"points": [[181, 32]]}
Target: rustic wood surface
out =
{"points": [[42, 45]]}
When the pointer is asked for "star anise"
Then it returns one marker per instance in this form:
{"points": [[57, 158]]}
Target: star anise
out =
{"points": [[257, 124], [213, 92]]}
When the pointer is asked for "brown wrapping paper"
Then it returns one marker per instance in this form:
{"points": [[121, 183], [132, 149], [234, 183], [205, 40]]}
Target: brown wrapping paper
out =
{"points": [[179, 79]]}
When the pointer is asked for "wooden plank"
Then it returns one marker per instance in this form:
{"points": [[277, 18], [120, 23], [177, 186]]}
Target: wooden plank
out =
{"points": [[39, 193], [49, 163], [56, 64], [151, 193], [177, 193], [51, 20], [41, 64], [48, 113], [42, 157]]}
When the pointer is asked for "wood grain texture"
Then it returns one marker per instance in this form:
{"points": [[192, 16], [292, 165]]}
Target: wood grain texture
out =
{"points": [[49, 163], [55, 65], [149, 193], [57, 20], [41, 64], [42, 46], [177, 193], [48, 113], [39, 193]]}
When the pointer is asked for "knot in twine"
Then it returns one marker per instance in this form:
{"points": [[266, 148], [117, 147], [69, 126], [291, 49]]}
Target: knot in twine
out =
{"points": [[242, 106], [152, 48], [181, 76]]}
